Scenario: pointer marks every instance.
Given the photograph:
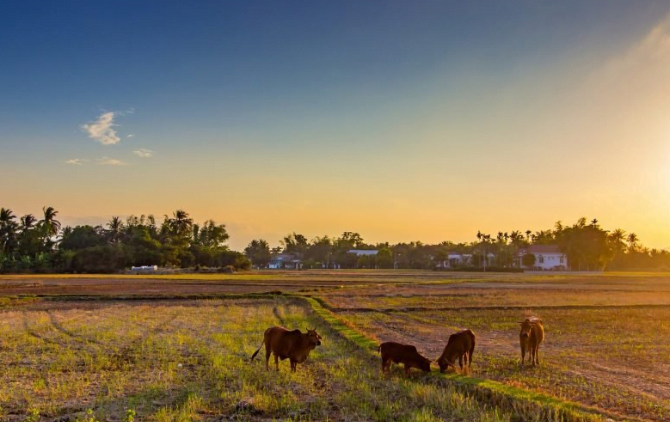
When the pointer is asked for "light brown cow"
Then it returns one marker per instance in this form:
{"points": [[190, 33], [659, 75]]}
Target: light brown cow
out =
{"points": [[402, 353], [284, 344], [530, 337], [461, 345]]}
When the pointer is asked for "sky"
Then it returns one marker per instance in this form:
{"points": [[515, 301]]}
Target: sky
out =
{"points": [[423, 120]]}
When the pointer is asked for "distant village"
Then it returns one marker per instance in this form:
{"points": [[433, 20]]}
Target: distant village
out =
{"points": [[534, 257]]}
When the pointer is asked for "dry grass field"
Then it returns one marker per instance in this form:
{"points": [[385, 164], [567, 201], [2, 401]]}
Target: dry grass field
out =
{"points": [[165, 357], [189, 360]]}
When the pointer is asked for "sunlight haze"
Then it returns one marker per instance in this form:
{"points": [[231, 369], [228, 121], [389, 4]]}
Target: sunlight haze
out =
{"points": [[398, 120]]}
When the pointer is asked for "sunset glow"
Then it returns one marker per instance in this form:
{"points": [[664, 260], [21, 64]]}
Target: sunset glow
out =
{"points": [[399, 120]]}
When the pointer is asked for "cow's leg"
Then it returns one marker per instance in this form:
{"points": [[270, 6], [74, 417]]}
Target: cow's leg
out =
{"points": [[293, 365], [386, 365], [407, 368], [460, 362], [523, 354], [277, 362], [267, 359], [533, 351], [537, 354]]}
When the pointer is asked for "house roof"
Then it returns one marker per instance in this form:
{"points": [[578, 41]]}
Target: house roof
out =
{"points": [[536, 249], [363, 251], [283, 257]]}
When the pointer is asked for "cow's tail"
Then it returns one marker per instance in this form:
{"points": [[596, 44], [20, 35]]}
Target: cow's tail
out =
{"points": [[259, 349], [472, 348]]}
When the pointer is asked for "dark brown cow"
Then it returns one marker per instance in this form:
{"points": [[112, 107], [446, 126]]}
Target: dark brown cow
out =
{"points": [[285, 344], [530, 337], [460, 345], [402, 353]]}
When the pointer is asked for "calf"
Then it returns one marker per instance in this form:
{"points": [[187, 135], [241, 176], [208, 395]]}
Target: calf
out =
{"points": [[530, 337], [284, 344], [461, 345], [402, 353]]}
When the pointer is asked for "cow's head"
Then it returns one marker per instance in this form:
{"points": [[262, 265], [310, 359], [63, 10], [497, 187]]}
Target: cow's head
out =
{"points": [[314, 337], [527, 325], [445, 362]]}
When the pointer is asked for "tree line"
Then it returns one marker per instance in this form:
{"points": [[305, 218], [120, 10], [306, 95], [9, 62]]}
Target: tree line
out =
{"points": [[586, 245], [40, 244], [32, 244]]}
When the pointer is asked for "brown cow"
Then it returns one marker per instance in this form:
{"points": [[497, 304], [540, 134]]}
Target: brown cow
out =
{"points": [[460, 345], [293, 345], [402, 353], [530, 337]]}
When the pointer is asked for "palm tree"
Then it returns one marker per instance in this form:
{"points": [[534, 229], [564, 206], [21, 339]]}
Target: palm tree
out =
{"points": [[115, 229], [49, 224], [181, 224], [7, 230], [632, 242], [27, 222]]}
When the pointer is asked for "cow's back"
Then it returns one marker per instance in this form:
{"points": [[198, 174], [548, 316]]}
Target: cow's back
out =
{"points": [[281, 340], [398, 352], [458, 344]]}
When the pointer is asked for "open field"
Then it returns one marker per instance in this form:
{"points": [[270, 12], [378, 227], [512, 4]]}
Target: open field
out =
{"points": [[188, 360], [607, 345]]}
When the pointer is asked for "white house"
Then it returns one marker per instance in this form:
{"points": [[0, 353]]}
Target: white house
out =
{"points": [[284, 261], [547, 257], [363, 252], [456, 260]]}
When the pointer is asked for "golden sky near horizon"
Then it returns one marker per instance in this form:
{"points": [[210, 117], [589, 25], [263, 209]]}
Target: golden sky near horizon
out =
{"points": [[579, 134]]}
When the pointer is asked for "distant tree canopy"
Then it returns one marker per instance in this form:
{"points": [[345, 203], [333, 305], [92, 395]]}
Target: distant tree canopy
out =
{"points": [[39, 244], [42, 245], [586, 245]]}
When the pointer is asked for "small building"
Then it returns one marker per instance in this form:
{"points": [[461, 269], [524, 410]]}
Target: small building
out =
{"points": [[285, 261], [363, 252], [455, 260], [145, 268], [547, 257]]}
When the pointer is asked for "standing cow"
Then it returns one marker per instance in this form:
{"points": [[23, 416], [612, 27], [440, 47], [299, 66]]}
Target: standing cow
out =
{"points": [[402, 353], [284, 344], [461, 345], [530, 337]]}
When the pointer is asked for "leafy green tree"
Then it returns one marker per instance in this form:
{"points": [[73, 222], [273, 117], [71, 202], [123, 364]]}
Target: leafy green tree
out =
{"points": [[319, 250], [82, 237], [295, 244], [258, 251], [528, 260], [385, 258]]}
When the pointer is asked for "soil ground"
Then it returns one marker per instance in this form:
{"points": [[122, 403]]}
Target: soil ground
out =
{"points": [[607, 344]]}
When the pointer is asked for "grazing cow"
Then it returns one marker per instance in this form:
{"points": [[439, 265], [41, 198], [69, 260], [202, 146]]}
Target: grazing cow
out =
{"points": [[284, 344], [460, 345], [402, 353], [530, 337]]}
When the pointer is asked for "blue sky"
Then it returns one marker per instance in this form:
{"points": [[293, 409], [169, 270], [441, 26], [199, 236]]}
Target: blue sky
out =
{"points": [[320, 117]]}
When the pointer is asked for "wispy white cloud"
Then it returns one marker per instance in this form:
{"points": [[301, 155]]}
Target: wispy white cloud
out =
{"points": [[76, 161], [143, 152], [132, 135], [106, 161], [102, 130]]}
